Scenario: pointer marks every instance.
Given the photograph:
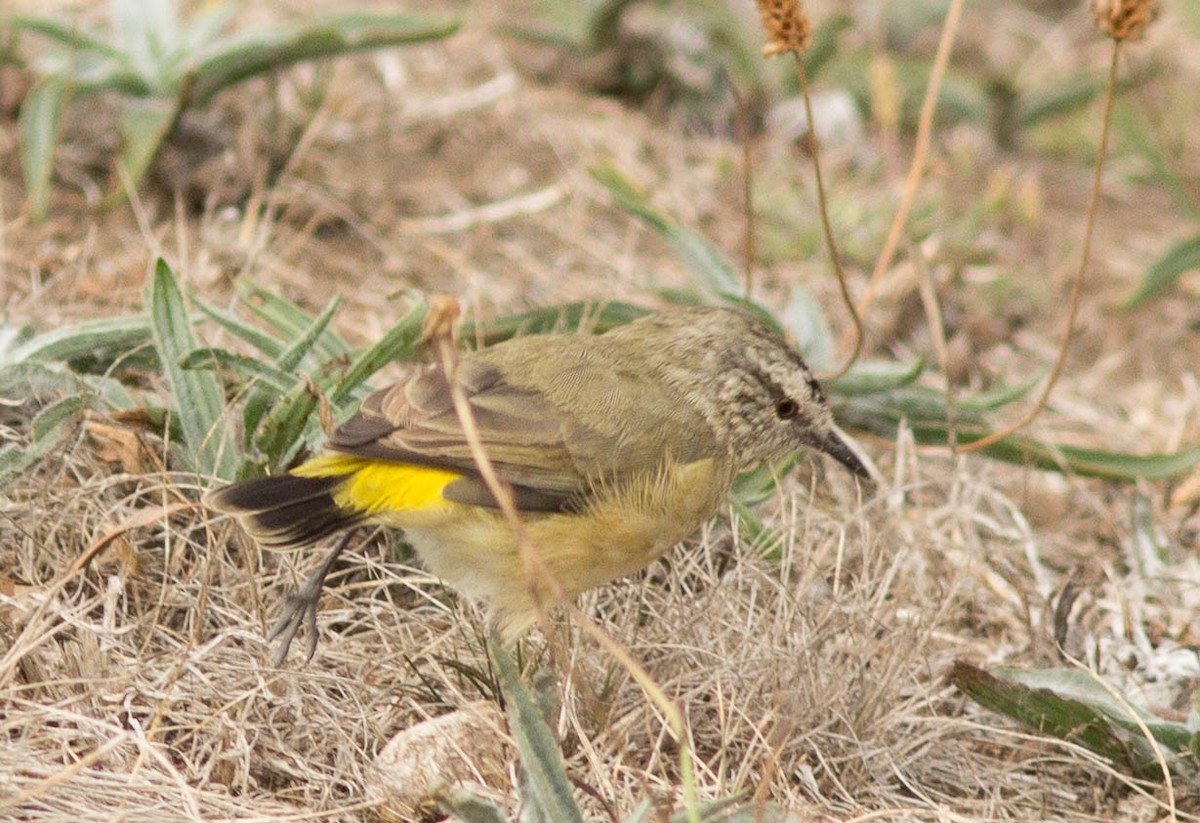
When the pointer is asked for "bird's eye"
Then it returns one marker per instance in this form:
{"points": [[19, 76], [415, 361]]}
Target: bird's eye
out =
{"points": [[786, 408]]}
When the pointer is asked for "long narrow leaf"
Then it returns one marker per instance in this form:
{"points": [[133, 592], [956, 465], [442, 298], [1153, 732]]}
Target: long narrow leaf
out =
{"points": [[144, 125], [202, 29], [69, 35], [288, 319], [704, 260], [262, 397], [284, 431], [470, 808], [290, 357], [397, 344], [1178, 260], [149, 31], [1087, 721], [247, 368], [1022, 450], [260, 340], [250, 54], [55, 415], [83, 340], [49, 430], [568, 317], [875, 376], [38, 126], [541, 759], [198, 400]]}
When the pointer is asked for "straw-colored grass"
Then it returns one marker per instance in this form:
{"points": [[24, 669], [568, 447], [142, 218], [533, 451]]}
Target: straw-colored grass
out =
{"points": [[140, 687]]}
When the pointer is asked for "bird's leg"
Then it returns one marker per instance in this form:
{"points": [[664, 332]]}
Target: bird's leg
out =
{"points": [[301, 606]]}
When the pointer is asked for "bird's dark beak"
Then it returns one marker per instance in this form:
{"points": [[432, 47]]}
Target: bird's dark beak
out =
{"points": [[834, 446]]}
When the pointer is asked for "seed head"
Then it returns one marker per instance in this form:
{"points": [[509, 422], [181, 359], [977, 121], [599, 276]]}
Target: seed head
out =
{"points": [[1124, 19], [786, 26]]}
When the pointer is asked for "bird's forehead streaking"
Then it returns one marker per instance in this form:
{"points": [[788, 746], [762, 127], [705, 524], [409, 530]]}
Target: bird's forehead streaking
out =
{"points": [[753, 387]]}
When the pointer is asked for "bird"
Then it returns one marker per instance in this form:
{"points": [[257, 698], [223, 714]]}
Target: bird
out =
{"points": [[613, 448]]}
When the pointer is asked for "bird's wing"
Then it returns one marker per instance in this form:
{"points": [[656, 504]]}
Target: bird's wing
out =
{"points": [[552, 458]]}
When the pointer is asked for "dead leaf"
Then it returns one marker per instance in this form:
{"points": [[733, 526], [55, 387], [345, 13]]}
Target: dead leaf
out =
{"points": [[120, 446]]}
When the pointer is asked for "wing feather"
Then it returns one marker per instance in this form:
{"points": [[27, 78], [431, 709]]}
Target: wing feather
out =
{"points": [[565, 420]]}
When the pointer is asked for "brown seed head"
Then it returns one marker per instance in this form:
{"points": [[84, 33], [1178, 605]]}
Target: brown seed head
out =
{"points": [[441, 319], [1124, 19], [786, 26]]}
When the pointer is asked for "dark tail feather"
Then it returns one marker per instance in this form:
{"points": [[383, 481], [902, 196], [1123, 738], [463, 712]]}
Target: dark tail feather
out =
{"points": [[285, 510]]}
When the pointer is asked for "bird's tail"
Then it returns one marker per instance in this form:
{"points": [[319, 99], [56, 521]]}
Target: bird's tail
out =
{"points": [[286, 510]]}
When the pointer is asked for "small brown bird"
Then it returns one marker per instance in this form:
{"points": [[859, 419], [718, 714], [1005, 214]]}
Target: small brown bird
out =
{"points": [[616, 447]]}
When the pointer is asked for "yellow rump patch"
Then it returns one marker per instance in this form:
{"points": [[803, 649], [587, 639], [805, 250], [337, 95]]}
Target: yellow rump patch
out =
{"points": [[379, 487]]}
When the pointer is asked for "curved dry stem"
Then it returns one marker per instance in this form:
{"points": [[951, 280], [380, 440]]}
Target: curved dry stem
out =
{"points": [[920, 153], [1077, 282], [743, 120], [826, 226]]}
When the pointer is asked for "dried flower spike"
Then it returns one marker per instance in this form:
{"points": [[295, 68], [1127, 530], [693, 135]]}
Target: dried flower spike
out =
{"points": [[1124, 19], [786, 26]]}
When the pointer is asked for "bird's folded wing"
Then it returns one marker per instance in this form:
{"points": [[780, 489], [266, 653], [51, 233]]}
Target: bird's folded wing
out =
{"points": [[528, 440]]}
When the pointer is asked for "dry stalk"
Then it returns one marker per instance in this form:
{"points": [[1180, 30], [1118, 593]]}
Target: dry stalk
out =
{"points": [[787, 28], [1077, 281], [439, 330], [743, 120], [920, 153]]}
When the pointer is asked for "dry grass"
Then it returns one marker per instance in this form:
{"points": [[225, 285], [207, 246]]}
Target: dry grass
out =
{"points": [[140, 687]]}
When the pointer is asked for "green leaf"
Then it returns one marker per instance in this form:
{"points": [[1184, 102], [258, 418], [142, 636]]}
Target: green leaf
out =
{"points": [[1131, 125], [824, 44], [49, 419], [583, 27], [541, 759], [38, 127], [1073, 93], [149, 31], [262, 341], [806, 322], [14, 460], [1148, 551], [470, 808], [202, 30], [919, 406], [33, 383], [261, 397], [144, 125], [288, 319], [69, 343], [289, 426], [864, 414], [247, 368], [198, 401], [249, 54], [754, 486], [1068, 94], [566, 317], [1094, 462], [72, 36], [1075, 684], [49, 430], [1178, 260], [875, 376], [1071, 706], [290, 357], [397, 344], [704, 260]]}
